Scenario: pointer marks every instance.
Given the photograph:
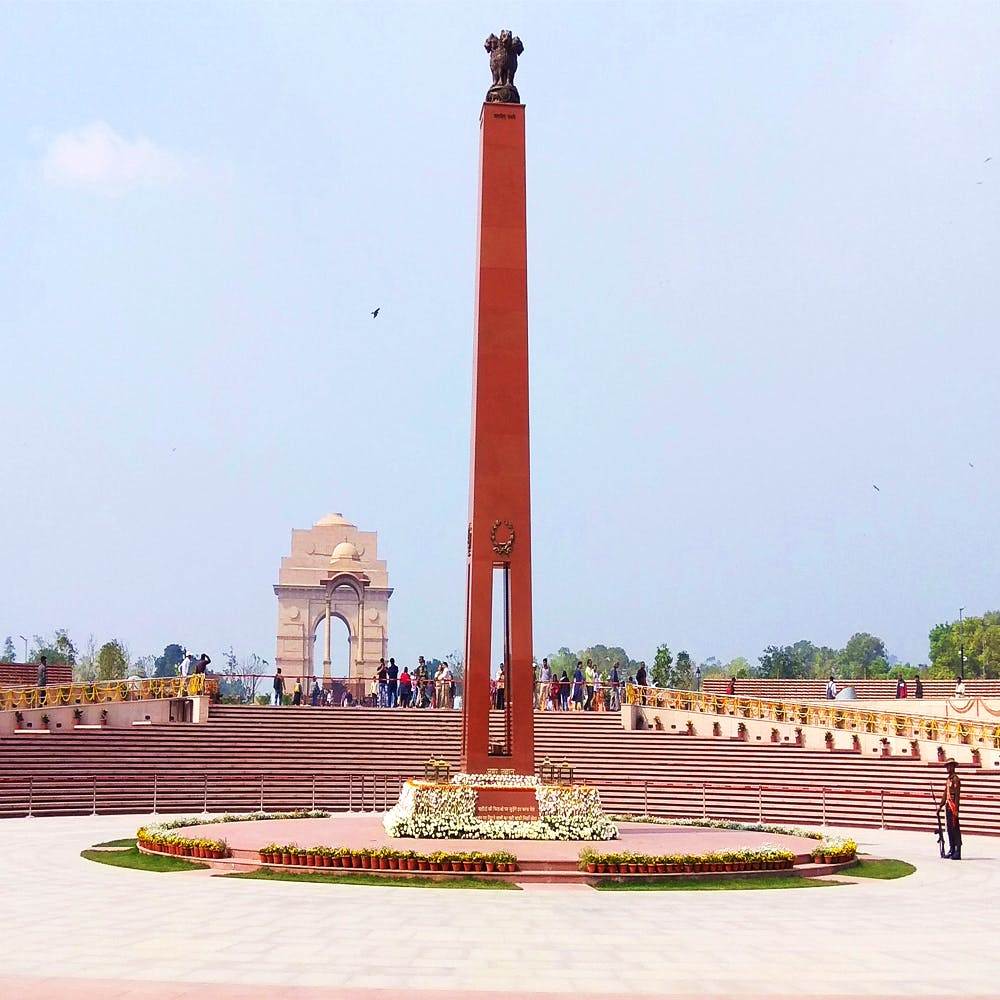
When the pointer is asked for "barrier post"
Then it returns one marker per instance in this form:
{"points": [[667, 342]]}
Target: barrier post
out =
{"points": [[824, 808], [374, 791]]}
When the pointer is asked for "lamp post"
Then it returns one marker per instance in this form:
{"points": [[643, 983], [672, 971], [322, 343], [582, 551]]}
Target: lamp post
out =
{"points": [[25, 648], [697, 678], [961, 643]]}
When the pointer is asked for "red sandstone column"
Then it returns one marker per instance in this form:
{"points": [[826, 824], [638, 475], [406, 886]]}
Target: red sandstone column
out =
{"points": [[500, 494]]}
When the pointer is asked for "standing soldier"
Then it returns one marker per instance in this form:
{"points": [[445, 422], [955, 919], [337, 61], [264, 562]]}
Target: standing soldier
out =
{"points": [[950, 801]]}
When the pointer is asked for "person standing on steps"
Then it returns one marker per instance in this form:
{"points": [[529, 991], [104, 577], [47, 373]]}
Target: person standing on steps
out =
{"points": [[383, 684], [918, 689], [392, 687], [43, 677], [831, 688], [279, 687], [950, 802]]}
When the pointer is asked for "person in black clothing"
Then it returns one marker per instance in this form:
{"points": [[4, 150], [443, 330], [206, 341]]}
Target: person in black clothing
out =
{"points": [[393, 686], [279, 687], [918, 689], [640, 680]]}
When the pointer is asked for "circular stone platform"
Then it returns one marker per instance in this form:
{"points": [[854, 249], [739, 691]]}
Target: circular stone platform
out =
{"points": [[539, 860]]}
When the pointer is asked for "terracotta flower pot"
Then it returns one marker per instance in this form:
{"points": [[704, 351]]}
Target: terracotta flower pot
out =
{"points": [[422, 865], [286, 858], [512, 866], [591, 868], [394, 864], [601, 869], [435, 866], [467, 865], [383, 863], [411, 864], [644, 869], [446, 866], [366, 861], [660, 867], [632, 869], [491, 866]]}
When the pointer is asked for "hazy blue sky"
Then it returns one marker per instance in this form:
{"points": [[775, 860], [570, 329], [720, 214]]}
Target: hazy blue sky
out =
{"points": [[763, 254]]}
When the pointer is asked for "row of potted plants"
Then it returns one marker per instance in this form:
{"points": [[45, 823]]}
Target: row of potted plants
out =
{"points": [[629, 863], [387, 858], [836, 850], [188, 847]]}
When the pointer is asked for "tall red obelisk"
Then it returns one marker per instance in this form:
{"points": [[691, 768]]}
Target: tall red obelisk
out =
{"points": [[499, 539]]}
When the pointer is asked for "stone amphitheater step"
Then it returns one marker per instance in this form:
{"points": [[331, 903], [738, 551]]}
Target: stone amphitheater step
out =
{"points": [[296, 758]]}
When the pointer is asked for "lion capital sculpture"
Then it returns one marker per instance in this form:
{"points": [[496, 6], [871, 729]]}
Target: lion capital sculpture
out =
{"points": [[503, 65]]}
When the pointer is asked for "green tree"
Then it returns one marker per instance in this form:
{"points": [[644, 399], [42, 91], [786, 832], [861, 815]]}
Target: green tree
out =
{"points": [[112, 661], [739, 666], [775, 661], [661, 673], [58, 649], [9, 655], [167, 664], [683, 672], [976, 641], [863, 656]]}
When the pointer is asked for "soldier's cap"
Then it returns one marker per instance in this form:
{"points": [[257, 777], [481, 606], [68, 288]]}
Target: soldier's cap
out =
{"points": [[950, 764]]}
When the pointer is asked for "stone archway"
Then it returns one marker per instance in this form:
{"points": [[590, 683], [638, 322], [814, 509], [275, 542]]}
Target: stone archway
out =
{"points": [[332, 571]]}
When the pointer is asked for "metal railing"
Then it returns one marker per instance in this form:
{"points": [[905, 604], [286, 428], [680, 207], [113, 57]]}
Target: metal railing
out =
{"points": [[216, 792], [98, 692], [833, 716]]}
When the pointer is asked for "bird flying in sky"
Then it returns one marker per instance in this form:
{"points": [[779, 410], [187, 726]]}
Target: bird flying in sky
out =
{"points": [[375, 311], [875, 488]]}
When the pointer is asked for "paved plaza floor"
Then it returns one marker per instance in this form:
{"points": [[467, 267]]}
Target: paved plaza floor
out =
{"points": [[72, 928]]}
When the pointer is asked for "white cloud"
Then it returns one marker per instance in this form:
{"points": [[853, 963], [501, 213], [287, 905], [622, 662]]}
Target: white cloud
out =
{"points": [[96, 157]]}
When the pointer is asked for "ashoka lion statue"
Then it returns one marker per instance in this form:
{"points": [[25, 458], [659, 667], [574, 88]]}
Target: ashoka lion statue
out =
{"points": [[503, 65]]}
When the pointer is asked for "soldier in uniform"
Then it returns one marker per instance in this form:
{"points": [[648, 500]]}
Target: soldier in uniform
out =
{"points": [[950, 802]]}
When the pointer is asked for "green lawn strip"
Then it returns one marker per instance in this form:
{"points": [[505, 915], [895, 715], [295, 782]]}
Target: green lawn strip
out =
{"points": [[360, 878], [125, 842], [880, 868], [710, 884], [132, 858]]}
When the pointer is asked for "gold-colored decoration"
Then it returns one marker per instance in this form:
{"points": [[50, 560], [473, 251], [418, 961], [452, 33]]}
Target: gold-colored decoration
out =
{"points": [[502, 548]]}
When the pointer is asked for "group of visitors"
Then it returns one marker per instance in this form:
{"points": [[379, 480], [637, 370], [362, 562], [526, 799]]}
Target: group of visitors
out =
{"points": [[588, 690], [393, 687], [191, 665]]}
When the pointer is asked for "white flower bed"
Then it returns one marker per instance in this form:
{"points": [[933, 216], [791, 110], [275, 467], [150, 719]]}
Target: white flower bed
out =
{"points": [[566, 812]]}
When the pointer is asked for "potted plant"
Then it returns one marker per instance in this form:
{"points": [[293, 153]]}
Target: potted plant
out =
{"points": [[77, 715], [977, 758], [855, 742], [914, 749], [19, 719], [828, 739], [799, 738], [743, 732], [941, 755], [886, 747], [690, 728], [45, 720], [775, 735], [104, 716]]}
